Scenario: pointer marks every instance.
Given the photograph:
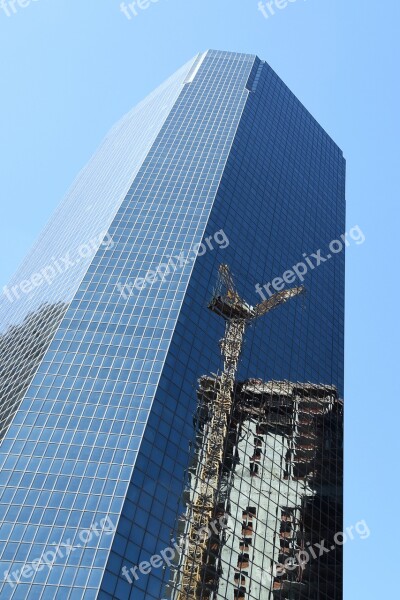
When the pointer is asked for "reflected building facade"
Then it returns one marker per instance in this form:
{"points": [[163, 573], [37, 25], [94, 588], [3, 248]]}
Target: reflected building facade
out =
{"points": [[110, 370]]}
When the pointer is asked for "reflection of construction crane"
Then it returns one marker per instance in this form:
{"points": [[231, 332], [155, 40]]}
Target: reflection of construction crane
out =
{"points": [[198, 579]]}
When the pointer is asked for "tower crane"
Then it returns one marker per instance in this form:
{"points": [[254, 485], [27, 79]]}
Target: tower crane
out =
{"points": [[238, 314]]}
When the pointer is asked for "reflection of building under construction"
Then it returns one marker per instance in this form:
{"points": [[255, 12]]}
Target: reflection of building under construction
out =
{"points": [[264, 484], [280, 481]]}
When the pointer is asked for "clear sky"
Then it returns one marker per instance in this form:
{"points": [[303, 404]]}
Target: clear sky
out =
{"points": [[71, 68]]}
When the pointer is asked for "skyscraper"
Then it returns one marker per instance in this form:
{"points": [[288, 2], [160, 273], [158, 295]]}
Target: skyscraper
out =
{"points": [[114, 394]]}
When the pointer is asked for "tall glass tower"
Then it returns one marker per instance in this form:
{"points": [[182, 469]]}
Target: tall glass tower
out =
{"points": [[140, 457]]}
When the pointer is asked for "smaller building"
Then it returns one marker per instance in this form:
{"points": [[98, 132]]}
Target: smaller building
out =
{"points": [[280, 489]]}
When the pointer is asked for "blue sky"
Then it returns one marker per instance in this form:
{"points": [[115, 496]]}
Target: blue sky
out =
{"points": [[71, 68]]}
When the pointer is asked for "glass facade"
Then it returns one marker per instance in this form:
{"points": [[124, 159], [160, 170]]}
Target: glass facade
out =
{"points": [[105, 423], [35, 300]]}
